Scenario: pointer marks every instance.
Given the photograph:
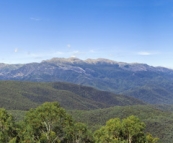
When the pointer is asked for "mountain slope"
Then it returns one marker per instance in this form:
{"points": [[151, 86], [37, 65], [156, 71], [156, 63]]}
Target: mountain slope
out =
{"points": [[25, 95], [159, 123], [103, 74], [151, 94]]}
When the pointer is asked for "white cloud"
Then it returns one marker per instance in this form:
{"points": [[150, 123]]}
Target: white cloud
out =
{"points": [[144, 53], [16, 50], [75, 53]]}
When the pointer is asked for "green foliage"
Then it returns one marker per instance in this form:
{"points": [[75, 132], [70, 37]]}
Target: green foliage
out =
{"points": [[81, 134], [46, 123], [100, 116], [151, 139], [50, 123], [133, 128], [110, 133], [129, 130], [7, 127], [158, 122]]}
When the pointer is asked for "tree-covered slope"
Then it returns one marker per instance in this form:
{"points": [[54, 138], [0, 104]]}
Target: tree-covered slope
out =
{"points": [[152, 94], [17, 95], [51, 123], [158, 122], [102, 74]]}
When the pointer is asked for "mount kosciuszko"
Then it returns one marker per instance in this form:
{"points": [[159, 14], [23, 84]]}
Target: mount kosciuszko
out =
{"points": [[150, 84]]}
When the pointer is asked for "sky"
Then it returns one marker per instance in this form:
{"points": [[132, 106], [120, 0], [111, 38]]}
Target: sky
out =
{"points": [[132, 31]]}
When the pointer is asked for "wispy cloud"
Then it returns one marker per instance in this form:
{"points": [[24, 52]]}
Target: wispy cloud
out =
{"points": [[16, 50], [91, 51], [58, 53], [35, 19], [75, 53], [43, 55], [144, 53]]}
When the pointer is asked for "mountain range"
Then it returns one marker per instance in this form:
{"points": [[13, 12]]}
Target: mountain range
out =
{"points": [[150, 84]]}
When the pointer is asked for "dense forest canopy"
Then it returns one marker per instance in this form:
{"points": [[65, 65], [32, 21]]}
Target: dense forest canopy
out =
{"points": [[50, 123]]}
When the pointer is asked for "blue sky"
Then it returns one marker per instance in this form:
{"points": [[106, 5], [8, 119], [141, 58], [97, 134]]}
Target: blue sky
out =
{"points": [[121, 30]]}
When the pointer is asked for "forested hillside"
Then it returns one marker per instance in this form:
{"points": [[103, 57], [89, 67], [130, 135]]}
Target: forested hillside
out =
{"points": [[49, 123], [86, 104], [149, 84], [17, 95], [158, 122]]}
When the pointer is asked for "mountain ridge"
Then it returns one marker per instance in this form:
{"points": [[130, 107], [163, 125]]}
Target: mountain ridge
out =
{"points": [[124, 65], [73, 60]]}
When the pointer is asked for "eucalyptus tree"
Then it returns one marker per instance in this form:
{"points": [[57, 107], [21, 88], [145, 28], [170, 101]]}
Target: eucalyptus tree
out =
{"points": [[49, 123], [128, 130], [7, 127], [133, 128]]}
